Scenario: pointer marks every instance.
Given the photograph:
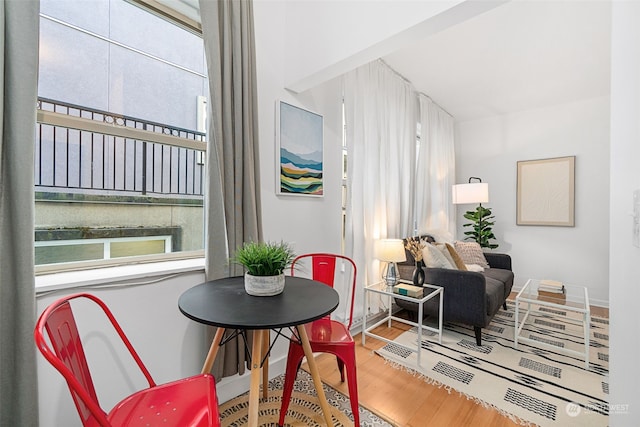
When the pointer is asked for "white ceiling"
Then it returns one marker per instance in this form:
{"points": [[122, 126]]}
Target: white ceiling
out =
{"points": [[519, 56]]}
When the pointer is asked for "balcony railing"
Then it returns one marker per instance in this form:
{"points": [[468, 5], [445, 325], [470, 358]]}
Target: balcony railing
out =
{"points": [[82, 160]]}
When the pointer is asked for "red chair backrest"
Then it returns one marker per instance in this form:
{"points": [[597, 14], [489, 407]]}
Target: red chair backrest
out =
{"points": [[67, 355], [323, 269], [65, 340]]}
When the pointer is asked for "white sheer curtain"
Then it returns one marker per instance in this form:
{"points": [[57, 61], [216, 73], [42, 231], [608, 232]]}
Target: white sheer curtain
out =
{"points": [[381, 112], [436, 172]]}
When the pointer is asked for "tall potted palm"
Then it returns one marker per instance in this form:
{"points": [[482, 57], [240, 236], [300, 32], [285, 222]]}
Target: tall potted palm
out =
{"points": [[265, 263]]}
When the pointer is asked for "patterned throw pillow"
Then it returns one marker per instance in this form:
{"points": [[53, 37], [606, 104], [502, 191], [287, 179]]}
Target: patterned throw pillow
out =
{"points": [[471, 253]]}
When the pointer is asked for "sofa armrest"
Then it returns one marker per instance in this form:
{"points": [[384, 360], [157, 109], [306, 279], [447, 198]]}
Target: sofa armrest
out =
{"points": [[502, 261], [464, 294]]}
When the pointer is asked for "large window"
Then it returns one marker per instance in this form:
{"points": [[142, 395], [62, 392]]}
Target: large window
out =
{"points": [[119, 150]]}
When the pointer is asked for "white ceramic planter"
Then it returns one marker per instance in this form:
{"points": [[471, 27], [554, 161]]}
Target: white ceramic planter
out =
{"points": [[263, 286]]}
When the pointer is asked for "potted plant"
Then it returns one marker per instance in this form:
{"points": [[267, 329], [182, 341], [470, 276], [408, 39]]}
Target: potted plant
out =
{"points": [[265, 263], [481, 227]]}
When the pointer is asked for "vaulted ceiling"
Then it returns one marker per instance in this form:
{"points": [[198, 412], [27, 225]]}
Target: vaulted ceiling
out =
{"points": [[518, 56]]}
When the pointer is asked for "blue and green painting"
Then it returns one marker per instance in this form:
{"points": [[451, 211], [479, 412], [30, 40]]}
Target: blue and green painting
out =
{"points": [[300, 151]]}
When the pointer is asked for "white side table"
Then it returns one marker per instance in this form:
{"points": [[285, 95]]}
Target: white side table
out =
{"points": [[431, 291]]}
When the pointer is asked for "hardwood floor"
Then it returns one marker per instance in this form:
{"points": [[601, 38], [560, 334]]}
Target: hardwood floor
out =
{"points": [[405, 400]]}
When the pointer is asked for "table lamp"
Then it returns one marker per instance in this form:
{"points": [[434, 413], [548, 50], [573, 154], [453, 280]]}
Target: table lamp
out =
{"points": [[390, 251]]}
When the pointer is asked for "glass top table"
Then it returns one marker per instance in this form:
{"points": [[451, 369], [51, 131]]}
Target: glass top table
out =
{"points": [[381, 288], [534, 297]]}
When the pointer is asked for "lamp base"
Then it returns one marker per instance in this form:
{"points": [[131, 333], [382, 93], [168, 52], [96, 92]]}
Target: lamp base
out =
{"points": [[391, 276]]}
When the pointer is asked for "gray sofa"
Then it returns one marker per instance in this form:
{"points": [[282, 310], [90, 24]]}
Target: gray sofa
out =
{"points": [[469, 297]]}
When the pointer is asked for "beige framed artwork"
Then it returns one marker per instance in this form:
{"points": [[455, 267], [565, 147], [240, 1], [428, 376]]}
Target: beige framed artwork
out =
{"points": [[546, 192]]}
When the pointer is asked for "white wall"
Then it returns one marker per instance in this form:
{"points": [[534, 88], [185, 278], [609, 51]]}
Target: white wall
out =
{"points": [[489, 149], [310, 223], [625, 178]]}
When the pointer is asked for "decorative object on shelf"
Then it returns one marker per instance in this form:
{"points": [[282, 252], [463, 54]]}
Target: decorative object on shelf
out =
{"points": [[265, 263], [408, 290], [481, 218], [415, 246], [390, 251], [418, 275]]}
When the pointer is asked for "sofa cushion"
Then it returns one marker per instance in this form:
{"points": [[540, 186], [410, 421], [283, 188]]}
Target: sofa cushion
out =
{"points": [[499, 274], [504, 276], [442, 247], [471, 253], [433, 258], [495, 295], [459, 263]]}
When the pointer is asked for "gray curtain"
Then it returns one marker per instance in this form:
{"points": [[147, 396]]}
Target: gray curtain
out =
{"points": [[232, 213], [19, 78]]}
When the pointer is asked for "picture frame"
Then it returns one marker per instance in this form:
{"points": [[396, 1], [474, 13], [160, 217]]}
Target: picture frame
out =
{"points": [[546, 192], [300, 151]]}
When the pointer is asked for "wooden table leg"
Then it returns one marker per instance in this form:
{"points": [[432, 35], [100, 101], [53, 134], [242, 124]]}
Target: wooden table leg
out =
{"points": [[254, 390], [213, 351], [265, 366], [317, 382]]}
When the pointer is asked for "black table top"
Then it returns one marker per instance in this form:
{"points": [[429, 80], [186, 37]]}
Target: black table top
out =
{"points": [[224, 303]]}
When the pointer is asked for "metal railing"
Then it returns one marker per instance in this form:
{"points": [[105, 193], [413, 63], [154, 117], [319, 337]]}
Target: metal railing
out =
{"points": [[83, 160]]}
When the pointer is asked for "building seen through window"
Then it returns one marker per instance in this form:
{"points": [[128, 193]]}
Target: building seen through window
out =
{"points": [[119, 148]]}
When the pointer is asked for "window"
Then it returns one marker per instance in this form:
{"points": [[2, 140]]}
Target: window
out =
{"points": [[119, 149], [62, 251]]}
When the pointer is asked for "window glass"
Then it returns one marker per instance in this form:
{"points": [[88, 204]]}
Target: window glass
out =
{"points": [[119, 151]]}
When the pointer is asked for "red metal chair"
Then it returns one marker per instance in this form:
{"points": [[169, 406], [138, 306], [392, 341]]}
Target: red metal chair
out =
{"points": [[327, 335], [187, 402]]}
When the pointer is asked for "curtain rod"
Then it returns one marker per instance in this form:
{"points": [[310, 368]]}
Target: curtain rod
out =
{"points": [[406, 80]]}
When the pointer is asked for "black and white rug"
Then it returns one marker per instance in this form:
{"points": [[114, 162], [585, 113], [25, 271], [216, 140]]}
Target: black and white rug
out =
{"points": [[530, 385], [304, 407]]}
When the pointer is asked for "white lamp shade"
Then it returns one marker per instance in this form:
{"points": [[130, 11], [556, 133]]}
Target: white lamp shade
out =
{"points": [[390, 250], [475, 192]]}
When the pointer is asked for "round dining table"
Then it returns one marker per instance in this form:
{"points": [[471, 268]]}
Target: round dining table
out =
{"points": [[225, 304]]}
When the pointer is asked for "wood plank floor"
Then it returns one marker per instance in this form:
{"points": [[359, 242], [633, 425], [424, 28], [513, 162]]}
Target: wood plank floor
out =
{"points": [[405, 400]]}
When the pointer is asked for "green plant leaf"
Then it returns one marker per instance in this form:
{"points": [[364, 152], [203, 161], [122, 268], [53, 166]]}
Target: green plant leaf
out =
{"points": [[264, 258], [481, 225]]}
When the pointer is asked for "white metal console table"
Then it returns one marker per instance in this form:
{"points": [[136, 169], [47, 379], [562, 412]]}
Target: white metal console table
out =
{"points": [[381, 288]]}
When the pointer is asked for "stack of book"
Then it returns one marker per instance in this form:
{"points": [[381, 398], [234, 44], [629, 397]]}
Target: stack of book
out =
{"points": [[551, 286], [408, 290]]}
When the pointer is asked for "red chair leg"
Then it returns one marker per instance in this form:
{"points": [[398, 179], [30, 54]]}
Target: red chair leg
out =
{"points": [[352, 382], [340, 368], [294, 359]]}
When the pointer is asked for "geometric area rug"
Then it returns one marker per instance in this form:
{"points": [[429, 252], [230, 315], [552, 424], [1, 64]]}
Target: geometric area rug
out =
{"points": [[304, 407], [531, 385]]}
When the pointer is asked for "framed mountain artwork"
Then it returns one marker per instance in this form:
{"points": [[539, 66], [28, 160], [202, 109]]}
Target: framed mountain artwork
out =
{"points": [[300, 151]]}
